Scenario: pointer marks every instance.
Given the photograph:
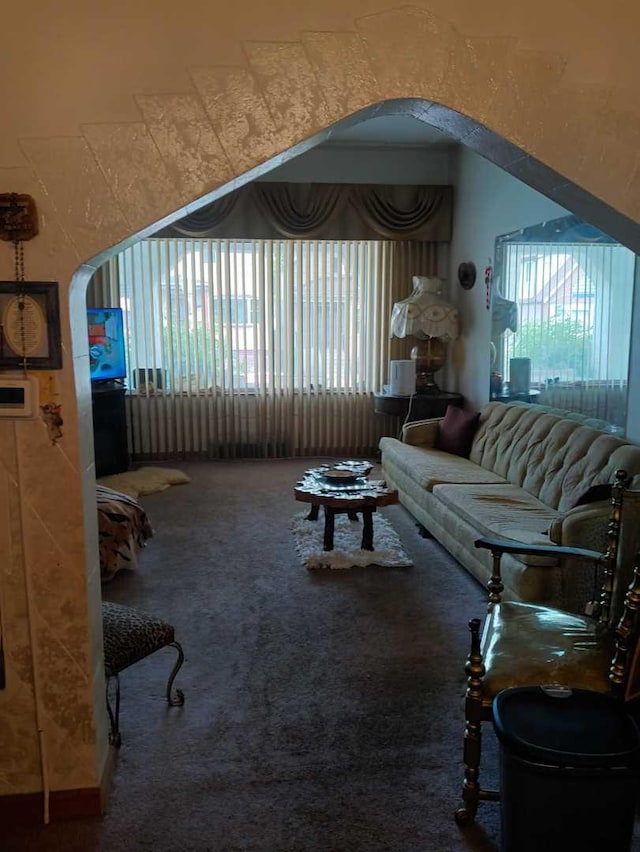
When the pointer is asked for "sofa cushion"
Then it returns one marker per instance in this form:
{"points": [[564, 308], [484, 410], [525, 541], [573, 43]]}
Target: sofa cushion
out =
{"points": [[502, 511], [431, 467], [456, 431]]}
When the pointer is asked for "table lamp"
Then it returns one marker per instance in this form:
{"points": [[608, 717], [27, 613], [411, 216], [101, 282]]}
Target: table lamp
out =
{"points": [[429, 318]]}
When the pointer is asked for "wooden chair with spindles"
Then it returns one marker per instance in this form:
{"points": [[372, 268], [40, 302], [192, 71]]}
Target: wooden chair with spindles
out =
{"points": [[523, 644]]}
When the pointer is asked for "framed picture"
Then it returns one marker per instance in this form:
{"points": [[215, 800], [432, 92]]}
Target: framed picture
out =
{"points": [[30, 325]]}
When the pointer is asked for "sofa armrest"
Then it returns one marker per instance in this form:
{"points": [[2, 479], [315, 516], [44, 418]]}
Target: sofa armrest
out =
{"points": [[586, 526], [583, 526], [421, 433], [500, 546]]}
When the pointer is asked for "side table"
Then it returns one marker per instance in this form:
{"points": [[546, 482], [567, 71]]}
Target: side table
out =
{"points": [[362, 495], [423, 406]]}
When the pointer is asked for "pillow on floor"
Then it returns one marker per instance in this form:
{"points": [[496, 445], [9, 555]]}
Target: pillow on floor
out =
{"points": [[145, 480], [456, 431]]}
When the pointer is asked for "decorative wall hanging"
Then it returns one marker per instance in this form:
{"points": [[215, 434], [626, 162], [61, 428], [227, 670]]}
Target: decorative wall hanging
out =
{"points": [[18, 217], [488, 277], [467, 274], [52, 417], [29, 310], [29, 325]]}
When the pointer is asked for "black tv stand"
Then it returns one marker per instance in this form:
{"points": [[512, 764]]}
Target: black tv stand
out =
{"points": [[109, 427]]}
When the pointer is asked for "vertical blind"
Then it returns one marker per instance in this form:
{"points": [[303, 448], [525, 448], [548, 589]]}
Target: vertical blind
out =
{"points": [[258, 347]]}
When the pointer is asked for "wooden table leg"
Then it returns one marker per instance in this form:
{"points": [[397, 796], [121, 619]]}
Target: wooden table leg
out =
{"points": [[353, 516], [313, 512], [367, 529], [329, 523]]}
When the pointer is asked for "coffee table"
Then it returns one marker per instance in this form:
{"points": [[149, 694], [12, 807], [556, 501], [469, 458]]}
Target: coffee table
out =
{"points": [[349, 496]]}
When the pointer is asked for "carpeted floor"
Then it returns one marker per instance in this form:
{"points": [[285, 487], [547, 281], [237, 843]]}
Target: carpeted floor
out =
{"points": [[323, 708]]}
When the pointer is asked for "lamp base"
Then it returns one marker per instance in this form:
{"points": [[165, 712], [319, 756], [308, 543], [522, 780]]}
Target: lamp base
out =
{"points": [[429, 356]]}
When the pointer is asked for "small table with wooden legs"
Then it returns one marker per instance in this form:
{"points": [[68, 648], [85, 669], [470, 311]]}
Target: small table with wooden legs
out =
{"points": [[340, 495]]}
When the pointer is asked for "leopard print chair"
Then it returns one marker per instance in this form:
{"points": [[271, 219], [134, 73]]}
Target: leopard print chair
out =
{"points": [[129, 636]]}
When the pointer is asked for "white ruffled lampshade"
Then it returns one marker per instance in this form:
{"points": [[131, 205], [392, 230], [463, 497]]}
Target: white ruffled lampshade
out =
{"points": [[425, 313]]}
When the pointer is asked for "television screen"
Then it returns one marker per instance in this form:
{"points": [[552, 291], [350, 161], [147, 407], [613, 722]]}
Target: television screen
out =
{"points": [[106, 344]]}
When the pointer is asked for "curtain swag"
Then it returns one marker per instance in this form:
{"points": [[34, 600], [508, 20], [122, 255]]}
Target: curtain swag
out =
{"points": [[298, 209], [267, 210], [397, 212], [207, 219]]}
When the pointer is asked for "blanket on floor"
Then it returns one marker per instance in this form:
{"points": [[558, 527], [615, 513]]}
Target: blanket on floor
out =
{"points": [[123, 529]]}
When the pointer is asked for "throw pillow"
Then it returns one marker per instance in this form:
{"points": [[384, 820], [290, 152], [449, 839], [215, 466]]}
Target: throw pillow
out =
{"points": [[593, 494], [173, 477], [456, 431]]}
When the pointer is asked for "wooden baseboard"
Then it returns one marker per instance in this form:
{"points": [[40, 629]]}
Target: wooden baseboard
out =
{"points": [[63, 804], [107, 774]]}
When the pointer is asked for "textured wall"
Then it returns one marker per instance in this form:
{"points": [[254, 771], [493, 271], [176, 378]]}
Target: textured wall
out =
{"points": [[113, 121]]}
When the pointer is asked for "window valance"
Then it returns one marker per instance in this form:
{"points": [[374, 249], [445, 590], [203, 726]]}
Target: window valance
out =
{"points": [[266, 210]]}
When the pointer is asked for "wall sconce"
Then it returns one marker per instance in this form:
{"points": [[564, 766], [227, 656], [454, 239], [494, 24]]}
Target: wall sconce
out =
{"points": [[433, 321]]}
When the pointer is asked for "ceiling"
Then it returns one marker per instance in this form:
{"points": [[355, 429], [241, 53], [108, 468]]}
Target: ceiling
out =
{"points": [[392, 130]]}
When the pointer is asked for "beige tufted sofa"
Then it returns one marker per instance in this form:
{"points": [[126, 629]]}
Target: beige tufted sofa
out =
{"points": [[529, 477]]}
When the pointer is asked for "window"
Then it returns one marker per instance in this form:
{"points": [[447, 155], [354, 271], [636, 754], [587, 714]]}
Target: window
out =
{"points": [[259, 315], [269, 348], [573, 288]]}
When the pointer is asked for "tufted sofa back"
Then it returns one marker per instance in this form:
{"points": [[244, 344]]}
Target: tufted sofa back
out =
{"points": [[556, 457]]}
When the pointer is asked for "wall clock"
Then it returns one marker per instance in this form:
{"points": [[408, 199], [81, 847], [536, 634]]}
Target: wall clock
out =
{"points": [[467, 274]]}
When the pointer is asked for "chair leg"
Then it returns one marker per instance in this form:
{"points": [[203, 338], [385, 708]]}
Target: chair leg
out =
{"points": [[175, 699], [114, 717], [475, 670]]}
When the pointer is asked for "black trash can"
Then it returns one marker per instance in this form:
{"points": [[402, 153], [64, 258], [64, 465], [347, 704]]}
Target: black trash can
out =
{"points": [[569, 770]]}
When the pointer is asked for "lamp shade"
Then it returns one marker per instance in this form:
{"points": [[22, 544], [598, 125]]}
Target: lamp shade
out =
{"points": [[425, 313]]}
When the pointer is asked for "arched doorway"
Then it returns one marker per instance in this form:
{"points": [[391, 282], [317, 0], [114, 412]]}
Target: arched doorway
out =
{"points": [[465, 131], [285, 93]]}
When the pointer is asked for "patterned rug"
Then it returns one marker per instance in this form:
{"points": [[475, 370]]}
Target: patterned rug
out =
{"points": [[347, 538]]}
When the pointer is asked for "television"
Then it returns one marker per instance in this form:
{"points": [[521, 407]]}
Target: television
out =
{"points": [[106, 344]]}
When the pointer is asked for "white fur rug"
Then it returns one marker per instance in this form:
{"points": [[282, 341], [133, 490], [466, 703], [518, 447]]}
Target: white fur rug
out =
{"points": [[347, 538]]}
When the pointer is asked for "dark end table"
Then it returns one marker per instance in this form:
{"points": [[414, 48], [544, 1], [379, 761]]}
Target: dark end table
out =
{"points": [[423, 405]]}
